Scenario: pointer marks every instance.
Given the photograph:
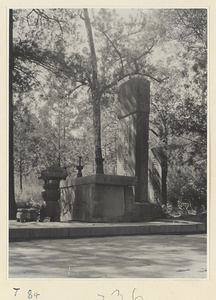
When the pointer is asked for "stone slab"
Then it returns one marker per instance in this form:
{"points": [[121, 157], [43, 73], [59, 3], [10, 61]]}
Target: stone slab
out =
{"points": [[132, 153], [100, 179]]}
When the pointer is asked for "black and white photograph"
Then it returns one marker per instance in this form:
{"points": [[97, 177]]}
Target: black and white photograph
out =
{"points": [[108, 135]]}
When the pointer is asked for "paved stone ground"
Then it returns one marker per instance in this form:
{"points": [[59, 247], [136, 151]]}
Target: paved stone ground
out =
{"points": [[155, 256]]}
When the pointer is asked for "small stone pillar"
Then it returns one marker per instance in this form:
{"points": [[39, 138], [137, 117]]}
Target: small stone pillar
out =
{"points": [[51, 194], [132, 157], [79, 167]]}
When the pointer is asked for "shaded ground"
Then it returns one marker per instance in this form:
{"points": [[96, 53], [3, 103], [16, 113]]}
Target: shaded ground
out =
{"points": [[156, 256]]}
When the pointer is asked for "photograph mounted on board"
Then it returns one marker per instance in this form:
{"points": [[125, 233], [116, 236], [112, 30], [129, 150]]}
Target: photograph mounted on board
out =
{"points": [[108, 143]]}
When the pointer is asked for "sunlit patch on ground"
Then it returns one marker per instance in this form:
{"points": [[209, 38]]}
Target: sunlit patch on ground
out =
{"points": [[165, 256]]}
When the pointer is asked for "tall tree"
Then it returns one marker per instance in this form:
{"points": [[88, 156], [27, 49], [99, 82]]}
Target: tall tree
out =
{"points": [[12, 203], [94, 50], [104, 67], [186, 111], [96, 95]]}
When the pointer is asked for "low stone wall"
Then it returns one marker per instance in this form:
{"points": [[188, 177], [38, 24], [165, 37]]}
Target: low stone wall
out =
{"points": [[202, 218]]}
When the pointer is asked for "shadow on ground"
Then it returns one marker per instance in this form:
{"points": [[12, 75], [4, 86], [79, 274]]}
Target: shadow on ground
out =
{"points": [[166, 256]]}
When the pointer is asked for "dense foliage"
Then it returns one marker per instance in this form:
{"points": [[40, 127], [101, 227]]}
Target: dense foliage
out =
{"points": [[68, 64]]}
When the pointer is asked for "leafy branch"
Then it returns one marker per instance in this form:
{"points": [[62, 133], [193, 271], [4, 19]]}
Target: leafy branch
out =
{"points": [[42, 15]]}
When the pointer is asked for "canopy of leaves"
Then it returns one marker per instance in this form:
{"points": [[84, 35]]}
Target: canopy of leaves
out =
{"points": [[53, 81]]}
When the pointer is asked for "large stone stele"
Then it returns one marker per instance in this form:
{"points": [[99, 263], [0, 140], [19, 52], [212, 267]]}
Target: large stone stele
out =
{"points": [[132, 153]]}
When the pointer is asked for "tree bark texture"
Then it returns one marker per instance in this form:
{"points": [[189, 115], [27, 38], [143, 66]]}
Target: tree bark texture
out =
{"points": [[21, 173], [95, 97], [12, 203]]}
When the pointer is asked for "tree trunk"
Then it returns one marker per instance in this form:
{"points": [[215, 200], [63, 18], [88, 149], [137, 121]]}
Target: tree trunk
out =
{"points": [[165, 167], [12, 203], [95, 98], [21, 173], [59, 140], [164, 182]]}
